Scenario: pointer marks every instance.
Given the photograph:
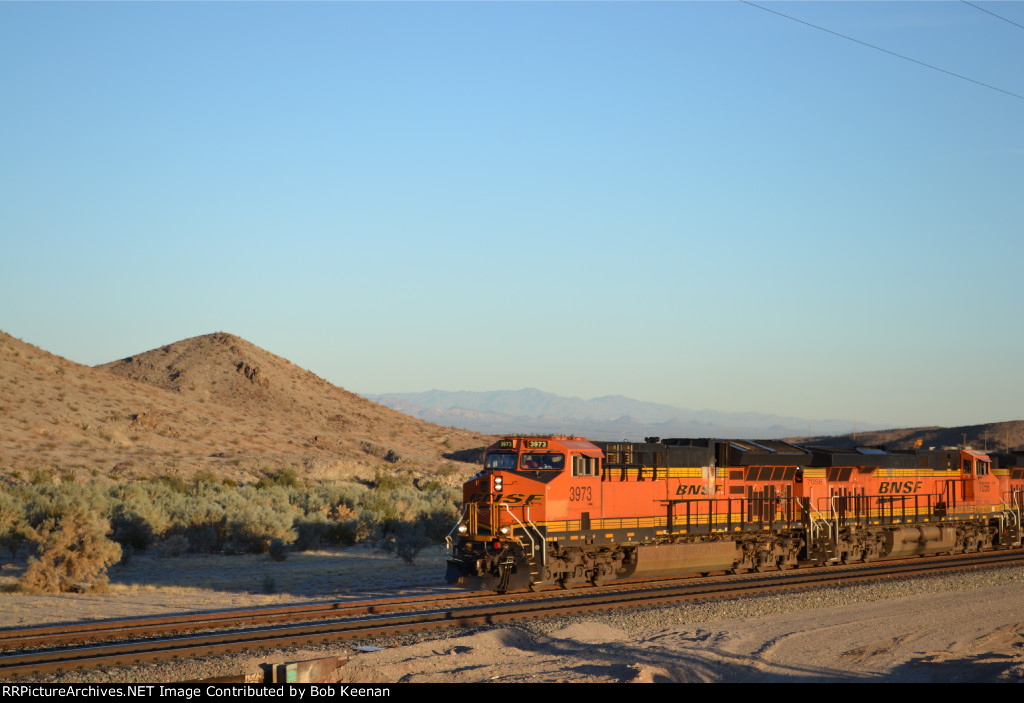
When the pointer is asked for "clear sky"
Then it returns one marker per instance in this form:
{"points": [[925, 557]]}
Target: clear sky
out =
{"points": [[696, 203]]}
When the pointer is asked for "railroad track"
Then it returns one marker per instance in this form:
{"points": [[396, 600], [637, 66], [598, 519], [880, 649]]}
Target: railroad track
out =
{"points": [[275, 628]]}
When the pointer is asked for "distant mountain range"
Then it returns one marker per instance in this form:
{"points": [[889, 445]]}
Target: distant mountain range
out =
{"points": [[607, 417]]}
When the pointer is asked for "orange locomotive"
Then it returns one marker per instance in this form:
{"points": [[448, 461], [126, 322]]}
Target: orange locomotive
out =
{"points": [[564, 510]]}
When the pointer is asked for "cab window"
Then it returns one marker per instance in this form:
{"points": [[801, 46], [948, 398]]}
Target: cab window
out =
{"points": [[542, 462], [506, 462], [584, 466]]}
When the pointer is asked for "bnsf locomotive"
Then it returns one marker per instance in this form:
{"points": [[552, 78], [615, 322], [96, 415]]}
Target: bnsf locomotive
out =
{"points": [[564, 510]]}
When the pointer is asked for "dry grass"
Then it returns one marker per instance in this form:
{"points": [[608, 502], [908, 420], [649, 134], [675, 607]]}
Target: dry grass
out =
{"points": [[153, 584]]}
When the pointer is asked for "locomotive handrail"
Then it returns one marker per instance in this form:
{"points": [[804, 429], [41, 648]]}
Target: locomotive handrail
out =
{"points": [[1013, 510], [533, 544], [815, 524], [1007, 516], [543, 542], [889, 509], [720, 511], [448, 538]]}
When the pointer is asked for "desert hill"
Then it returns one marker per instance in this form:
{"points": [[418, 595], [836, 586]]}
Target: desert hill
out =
{"points": [[991, 437], [213, 403]]}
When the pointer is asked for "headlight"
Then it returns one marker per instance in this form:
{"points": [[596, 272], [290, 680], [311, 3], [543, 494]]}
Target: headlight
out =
{"points": [[463, 529], [505, 530], [497, 483]]}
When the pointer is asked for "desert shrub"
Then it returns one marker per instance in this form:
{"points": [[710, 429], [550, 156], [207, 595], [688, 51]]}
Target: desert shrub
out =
{"points": [[314, 531], [379, 507], [431, 486], [202, 538], [130, 529], [199, 520], [367, 527], [208, 516], [174, 546], [205, 477], [408, 540], [141, 512], [438, 523], [347, 532], [175, 483], [448, 470], [72, 554], [254, 517], [12, 523], [389, 480], [327, 497], [44, 502], [39, 477], [277, 550], [282, 478]]}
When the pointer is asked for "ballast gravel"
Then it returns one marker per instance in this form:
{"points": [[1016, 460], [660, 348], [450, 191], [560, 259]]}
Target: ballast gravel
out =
{"points": [[964, 627]]}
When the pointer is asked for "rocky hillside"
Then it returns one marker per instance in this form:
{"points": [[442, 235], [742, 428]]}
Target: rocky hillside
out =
{"points": [[213, 403], [992, 437]]}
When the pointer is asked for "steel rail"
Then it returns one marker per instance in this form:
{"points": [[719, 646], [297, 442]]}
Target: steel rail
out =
{"points": [[127, 628], [536, 606]]}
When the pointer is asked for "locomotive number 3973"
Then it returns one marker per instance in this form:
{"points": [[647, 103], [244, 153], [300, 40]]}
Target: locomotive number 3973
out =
{"points": [[580, 493]]}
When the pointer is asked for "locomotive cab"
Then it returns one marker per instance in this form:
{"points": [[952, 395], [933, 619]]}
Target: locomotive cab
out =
{"points": [[501, 540]]}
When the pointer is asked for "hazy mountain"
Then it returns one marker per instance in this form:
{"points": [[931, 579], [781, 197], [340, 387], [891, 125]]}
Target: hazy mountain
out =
{"points": [[607, 417]]}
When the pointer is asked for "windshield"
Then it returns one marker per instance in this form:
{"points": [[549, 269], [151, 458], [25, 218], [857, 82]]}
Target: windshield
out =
{"points": [[543, 462], [500, 461]]}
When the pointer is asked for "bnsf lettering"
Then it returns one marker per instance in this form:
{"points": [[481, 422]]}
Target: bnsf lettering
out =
{"points": [[509, 498], [702, 490], [899, 487]]}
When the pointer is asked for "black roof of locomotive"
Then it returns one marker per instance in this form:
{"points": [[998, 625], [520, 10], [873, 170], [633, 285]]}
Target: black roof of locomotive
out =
{"points": [[701, 451], [861, 456], [1011, 460], [684, 451]]}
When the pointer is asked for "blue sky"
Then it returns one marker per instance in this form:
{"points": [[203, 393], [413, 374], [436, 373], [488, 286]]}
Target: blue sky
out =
{"points": [[696, 203]]}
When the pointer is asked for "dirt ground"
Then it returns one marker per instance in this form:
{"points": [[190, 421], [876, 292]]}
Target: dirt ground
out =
{"points": [[916, 639], [972, 632]]}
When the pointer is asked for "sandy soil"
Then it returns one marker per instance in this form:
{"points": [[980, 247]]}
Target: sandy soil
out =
{"points": [[916, 639], [972, 633]]}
